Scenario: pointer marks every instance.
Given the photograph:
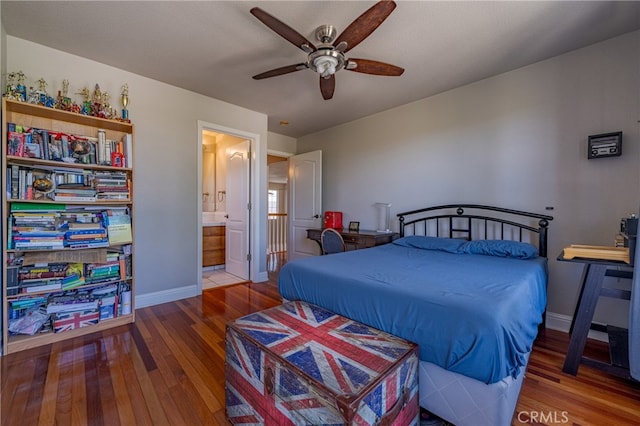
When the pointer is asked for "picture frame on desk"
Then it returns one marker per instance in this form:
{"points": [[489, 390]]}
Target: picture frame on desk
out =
{"points": [[354, 226]]}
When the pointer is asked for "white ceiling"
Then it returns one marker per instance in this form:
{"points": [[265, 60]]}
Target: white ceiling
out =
{"points": [[214, 47]]}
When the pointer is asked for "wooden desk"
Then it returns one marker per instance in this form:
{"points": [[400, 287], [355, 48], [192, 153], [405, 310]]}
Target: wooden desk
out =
{"points": [[356, 240], [591, 288]]}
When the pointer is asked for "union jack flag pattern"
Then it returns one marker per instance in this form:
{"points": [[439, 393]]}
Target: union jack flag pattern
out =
{"points": [[71, 320], [299, 364]]}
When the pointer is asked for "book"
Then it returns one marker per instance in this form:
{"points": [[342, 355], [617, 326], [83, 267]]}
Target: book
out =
{"points": [[128, 150], [71, 302], [85, 245], [43, 288], [30, 207], [73, 198], [41, 137], [15, 181], [32, 150], [15, 144], [83, 225]]}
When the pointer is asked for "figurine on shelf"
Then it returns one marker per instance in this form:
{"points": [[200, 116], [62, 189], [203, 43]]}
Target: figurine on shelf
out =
{"points": [[34, 96], [21, 89], [12, 93], [97, 95], [86, 105], [109, 111], [124, 98], [97, 103], [40, 96], [63, 102]]}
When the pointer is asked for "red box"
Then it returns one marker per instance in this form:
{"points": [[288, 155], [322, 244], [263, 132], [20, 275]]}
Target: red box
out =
{"points": [[298, 363], [333, 220]]}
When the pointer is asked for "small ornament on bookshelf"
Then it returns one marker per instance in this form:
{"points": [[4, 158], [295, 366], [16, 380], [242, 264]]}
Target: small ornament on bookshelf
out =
{"points": [[12, 91], [124, 98], [21, 89], [63, 101], [86, 104]]}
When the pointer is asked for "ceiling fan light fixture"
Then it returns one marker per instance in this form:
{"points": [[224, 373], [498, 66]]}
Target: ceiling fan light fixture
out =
{"points": [[326, 61], [328, 57], [326, 65]]}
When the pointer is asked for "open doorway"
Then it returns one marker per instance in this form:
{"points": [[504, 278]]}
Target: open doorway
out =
{"points": [[225, 219], [277, 210]]}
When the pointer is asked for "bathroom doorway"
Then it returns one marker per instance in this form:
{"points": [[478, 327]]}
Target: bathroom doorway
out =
{"points": [[225, 177]]}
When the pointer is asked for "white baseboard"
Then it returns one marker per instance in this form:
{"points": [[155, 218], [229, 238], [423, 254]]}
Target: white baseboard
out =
{"points": [[164, 296], [261, 277], [562, 322]]}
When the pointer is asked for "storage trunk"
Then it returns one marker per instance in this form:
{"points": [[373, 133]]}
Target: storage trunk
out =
{"points": [[299, 364]]}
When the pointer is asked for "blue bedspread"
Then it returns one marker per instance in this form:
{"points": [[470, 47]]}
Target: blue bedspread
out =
{"points": [[476, 315]]}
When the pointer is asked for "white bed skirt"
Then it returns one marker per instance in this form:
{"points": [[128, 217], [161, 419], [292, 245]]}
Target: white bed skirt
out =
{"points": [[464, 401]]}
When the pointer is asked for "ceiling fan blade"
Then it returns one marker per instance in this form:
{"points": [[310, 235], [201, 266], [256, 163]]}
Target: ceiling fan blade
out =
{"points": [[365, 24], [327, 86], [283, 30], [280, 71], [367, 66]]}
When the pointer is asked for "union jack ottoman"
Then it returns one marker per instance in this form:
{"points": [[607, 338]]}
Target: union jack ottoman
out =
{"points": [[299, 364]]}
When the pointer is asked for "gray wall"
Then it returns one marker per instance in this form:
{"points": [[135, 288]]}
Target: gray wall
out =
{"points": [[516, 140], [166, 147]]}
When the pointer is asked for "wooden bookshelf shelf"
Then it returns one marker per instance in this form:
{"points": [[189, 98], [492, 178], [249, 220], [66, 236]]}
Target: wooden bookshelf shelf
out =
{"points": [[88, 236], [20, 343]]}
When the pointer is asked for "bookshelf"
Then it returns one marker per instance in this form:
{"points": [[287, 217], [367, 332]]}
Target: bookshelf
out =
{"points": [[67, 225]]}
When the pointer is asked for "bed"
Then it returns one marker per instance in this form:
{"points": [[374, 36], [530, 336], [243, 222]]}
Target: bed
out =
{"points": [[466, 282]]}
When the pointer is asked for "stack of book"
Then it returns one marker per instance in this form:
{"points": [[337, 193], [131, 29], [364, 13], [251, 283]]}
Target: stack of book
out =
{"points": [[85, 235], [108, 301], [74, 192], [112, 185], [104, 272], [71, 311], [118, 222], [43, 278], [47, 285], [35, 231], [56, 146]]}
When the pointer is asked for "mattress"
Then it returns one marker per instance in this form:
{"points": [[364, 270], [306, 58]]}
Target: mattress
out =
{"points": [[474, 315], [464, 401]]}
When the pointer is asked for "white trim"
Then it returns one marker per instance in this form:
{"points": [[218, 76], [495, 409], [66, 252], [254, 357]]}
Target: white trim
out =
{"points": [[279, 153], [261, 277], [255, 173], [562, 323], [164, 296]]}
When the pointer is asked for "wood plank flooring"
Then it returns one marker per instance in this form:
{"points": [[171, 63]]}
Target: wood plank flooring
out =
{"points": [[168, 369]]}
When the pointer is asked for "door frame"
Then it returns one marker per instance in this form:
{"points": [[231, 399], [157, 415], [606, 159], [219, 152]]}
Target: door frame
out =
{"points": [[254, 227]]}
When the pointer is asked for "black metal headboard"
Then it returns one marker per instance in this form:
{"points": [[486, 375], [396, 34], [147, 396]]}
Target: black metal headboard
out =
{"points": [[453, 221]]}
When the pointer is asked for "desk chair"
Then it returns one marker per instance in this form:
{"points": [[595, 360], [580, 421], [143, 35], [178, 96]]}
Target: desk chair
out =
{"points": [[331, 241]]}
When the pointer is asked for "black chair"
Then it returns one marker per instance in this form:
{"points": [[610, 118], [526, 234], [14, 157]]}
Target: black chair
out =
{"points": [[331, 241]]}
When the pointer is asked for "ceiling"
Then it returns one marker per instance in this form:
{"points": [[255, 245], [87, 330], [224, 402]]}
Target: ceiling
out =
{"points": [[215, 47]]}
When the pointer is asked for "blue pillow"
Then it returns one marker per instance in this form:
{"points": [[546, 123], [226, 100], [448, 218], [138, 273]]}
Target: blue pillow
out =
{"points": [[450, 245], [502, 248]]}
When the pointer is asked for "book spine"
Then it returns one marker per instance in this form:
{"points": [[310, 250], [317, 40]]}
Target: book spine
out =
{"points": [[128, 150], [15, 181]]}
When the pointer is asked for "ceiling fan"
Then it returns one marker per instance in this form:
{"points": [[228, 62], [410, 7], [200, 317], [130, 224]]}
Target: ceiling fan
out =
{"points": [[329, 56]]}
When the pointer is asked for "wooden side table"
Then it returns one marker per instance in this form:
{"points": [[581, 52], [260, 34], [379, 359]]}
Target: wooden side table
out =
{"points": [[591, 288], [357, 240]]}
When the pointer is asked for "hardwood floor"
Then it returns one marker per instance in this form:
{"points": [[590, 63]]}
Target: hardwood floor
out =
{"points": [[168, 369]]}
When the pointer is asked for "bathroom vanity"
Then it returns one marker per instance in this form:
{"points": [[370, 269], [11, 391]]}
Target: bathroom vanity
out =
{"points": [[213, 238]]}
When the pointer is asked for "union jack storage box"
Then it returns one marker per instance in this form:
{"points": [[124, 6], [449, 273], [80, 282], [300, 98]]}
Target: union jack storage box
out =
{"points": [[65, 321], [299, 364]]}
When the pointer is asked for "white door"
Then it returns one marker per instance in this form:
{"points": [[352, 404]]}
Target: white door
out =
{"points": [[305, 203], [237, 236]]}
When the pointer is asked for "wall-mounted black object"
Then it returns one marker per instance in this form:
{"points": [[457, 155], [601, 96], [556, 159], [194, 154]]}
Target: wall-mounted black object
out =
{"points": [[605, 145]]}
